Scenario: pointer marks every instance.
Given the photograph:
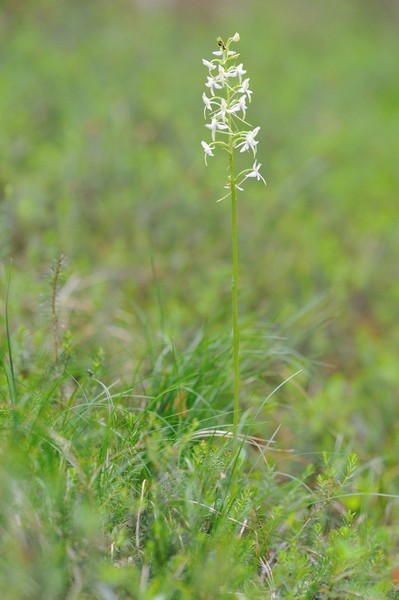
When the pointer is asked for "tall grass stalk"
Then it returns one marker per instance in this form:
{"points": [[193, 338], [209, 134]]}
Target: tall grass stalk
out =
{"points": [[55, 276], [9, 371]]}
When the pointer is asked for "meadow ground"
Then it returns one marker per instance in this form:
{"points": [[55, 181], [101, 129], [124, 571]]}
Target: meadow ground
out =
{"points": [[119, 477]]}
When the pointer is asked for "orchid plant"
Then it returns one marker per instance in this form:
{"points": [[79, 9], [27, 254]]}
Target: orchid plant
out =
{"points": [[226, 107]]}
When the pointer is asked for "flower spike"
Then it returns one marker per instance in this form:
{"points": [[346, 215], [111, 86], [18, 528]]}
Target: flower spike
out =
{"points": [[226, 107]]}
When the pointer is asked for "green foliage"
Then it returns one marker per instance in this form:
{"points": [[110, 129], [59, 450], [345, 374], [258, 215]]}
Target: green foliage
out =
{"points": [[118, 474], [108, 494]]}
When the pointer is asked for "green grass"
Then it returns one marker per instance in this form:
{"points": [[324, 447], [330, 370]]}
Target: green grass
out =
{"points": [[119, 477]]}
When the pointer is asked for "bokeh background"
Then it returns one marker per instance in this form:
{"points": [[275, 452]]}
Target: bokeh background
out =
{"points": [[102, 119]]}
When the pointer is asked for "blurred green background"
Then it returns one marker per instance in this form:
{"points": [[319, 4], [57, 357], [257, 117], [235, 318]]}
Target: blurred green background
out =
{"points": [[102, 119]]}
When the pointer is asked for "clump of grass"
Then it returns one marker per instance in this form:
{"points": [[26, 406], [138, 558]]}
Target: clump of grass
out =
{"points": [[135, 492]]}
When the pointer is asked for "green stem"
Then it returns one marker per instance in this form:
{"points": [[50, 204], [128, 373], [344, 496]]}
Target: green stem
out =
{"points": [[236, 329], [234, 236]]}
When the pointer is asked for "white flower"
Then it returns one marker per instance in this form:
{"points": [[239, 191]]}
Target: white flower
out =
{"points": [[211, 84], [208, 103], [223, 74], [240, 71], [240, 105], [208, 64], [249, 141], [244, 89], [221, 52], [207, 149], [236, 37], [214, 126], [223, 110], [255, 173]]}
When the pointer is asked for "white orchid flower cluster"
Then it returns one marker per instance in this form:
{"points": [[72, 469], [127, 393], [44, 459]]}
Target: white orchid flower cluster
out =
{"points": [[226, 107]]}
